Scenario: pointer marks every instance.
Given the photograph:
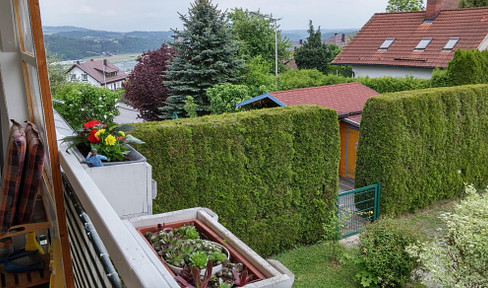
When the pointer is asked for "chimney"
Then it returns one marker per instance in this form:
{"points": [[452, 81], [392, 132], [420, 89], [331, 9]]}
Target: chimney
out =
{"points": [[343, 37], [78, 62], [300, 41], [105, 62], [433, 9]]}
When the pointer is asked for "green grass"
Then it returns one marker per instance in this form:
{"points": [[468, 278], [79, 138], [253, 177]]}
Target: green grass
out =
{"points": [[312, 267]]}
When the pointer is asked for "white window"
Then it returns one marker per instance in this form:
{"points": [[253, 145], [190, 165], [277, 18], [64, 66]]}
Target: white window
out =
{"points": [[423, 43], [73, 77], [451, 43], [386, 44], [84, 77]]}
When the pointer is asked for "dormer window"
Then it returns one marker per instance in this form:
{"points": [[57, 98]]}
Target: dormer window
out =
{"points": [[423, 43], [451, 43], [386, 44]]}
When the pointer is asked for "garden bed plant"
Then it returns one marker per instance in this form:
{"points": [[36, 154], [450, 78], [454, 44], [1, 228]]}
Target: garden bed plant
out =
{"points": [[197, 261]]}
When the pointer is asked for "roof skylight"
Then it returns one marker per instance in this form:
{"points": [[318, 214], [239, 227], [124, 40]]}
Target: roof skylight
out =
{"points": [[451, 43], [423, 43], [386, 44]]}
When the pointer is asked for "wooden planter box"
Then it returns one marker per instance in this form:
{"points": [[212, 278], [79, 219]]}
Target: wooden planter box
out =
{"points": [[270, 273]]}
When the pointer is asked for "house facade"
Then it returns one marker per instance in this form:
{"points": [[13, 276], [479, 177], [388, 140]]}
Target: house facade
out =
{"points": [[347, 98], [415, 43], [100, 73]]}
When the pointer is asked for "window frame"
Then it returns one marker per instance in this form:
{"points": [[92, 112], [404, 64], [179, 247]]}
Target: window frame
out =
{"points": [[386, 44], [426, 40], [451, 40]]}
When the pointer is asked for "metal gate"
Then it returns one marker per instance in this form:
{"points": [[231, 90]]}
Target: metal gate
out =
{"points": [[358, 207]]}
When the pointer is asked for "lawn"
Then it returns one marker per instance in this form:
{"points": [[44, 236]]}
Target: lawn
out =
{"points": [[312, 267]]}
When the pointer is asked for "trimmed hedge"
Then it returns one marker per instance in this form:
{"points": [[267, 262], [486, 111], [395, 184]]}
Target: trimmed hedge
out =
{"points": [[416, 143], [270, 174]]}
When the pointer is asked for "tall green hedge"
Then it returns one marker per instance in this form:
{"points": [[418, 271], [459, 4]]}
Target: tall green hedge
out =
{"points": [[423, 145], [270, 174]]}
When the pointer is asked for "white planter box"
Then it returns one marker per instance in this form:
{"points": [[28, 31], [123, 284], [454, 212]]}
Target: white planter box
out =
{"points": [[126, 185], [277, 275]]}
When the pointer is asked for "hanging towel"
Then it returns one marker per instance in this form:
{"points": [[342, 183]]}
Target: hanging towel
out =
{"points": [[12, 174], [31, 177]]}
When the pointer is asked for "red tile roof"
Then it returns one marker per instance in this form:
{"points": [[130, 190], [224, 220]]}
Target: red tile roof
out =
{"points": [[470, 25], [95, 69], [338, 39], [345, 98]]}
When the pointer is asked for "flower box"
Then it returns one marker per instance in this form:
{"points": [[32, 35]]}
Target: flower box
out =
{"points": [[266, 273]]}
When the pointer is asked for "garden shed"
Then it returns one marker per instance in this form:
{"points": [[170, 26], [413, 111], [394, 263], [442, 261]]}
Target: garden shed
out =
{"points": [[347, 98]]}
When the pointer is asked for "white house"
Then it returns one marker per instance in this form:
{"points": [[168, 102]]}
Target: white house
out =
{"points": [[100, 73], [415, 43]]}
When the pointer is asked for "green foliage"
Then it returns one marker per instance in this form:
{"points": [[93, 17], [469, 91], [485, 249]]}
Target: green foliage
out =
{"points": [[440, 78], [84, 102], [313, 54], [257, 78], [383, 258], [404, 5], [56, 73], [461, 260], [223, 98], [423, 145], [394, 84], [472, 3], [468, 67], [270, 175], [255, 33], [190, 107], [304, 78], [206, 56]]}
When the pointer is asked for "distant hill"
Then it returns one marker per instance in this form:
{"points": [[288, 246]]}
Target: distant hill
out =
{"points": [[71, 43]]}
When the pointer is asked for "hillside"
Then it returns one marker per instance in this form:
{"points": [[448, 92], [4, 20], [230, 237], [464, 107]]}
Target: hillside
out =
{"points": [[73, 43]]}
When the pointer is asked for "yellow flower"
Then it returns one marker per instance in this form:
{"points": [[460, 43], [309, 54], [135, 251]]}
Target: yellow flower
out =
{"points": [[121, 134], [100, 132], [110, 140]]}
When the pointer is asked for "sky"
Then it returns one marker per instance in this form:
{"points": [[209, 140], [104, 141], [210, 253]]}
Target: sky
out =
{"points": [[161, 15]]}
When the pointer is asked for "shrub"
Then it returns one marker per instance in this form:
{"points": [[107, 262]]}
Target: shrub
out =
{"points": [[270, 174], [462, 259], [223, 98], [468, 67], [440, 78], [383, 258], [423, 145], [85, 102]]}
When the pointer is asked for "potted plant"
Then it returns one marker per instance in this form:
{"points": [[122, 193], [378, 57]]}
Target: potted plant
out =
{"points": [[125, 178], [110, 142], [196, 261]]}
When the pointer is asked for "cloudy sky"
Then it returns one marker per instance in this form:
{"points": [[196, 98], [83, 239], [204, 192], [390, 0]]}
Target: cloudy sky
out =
{"points": [[161, 15]]}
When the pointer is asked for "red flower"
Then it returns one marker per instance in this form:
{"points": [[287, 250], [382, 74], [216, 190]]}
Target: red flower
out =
{"points": [[92, 138], [91, 124]]}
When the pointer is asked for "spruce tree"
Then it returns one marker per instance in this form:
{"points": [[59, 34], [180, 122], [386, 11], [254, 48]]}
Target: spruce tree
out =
{"points": [[313, 53], [206, 56]]}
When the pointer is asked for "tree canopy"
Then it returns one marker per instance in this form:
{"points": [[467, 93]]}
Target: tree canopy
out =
{"points": [[145, 89], [255, 33], [404, 5], [206, 56], [472, 3], [313, 53]]}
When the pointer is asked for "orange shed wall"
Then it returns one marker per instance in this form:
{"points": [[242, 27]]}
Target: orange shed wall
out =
{"points": [[343, 135]]}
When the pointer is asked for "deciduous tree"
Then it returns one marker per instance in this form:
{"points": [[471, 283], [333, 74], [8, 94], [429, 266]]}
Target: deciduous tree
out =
{"points": [[207, 56], [255, 33], [145, 89], [313, 53], [404, 5], [472, 3]]}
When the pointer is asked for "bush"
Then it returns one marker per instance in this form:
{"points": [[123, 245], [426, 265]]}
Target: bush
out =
{"points": [[383, 257], [223, 98], [270, 174], [462, 259], [468, 67], [85, 102], [440, 78], [423, 145]]}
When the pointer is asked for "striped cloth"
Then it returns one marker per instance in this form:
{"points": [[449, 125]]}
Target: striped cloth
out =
{"points": [[11, 178], [31, 177]]}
